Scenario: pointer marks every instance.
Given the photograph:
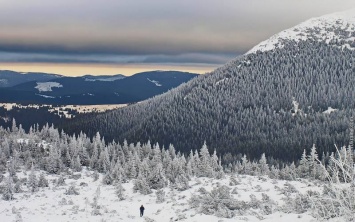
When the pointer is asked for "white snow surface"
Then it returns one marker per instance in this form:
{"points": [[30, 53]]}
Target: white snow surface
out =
{"points": [[47, 86], [63, 110], [45, 96], [155, 82], [330, 110], [52, 204], [110, 79], [337, 26]]}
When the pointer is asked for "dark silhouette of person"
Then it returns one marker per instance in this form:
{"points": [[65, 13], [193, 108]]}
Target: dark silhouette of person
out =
{"points": [[142, 210]]}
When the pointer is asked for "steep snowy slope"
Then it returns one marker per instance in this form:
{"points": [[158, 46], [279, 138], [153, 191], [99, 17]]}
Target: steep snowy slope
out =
{"points": [[335, 29]]}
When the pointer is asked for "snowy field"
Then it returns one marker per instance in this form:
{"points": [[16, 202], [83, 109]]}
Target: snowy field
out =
{"points": [[64, 108], [52, 204]]}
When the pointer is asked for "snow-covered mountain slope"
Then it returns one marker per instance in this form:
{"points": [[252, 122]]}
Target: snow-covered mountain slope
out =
{"points": [[246, 106], [336, 29]]}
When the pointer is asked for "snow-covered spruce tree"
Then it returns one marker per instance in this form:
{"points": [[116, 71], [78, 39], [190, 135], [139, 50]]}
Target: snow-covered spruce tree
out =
{"points": [[107, 179], [54, 163], [76, 163], [8, 192], [263, 166], [120, 190], [141, 185], [156, 177], [32, 182], [303, 167], [95, 204], [42, 182], [338, 198], [17, 187], [160, 196], [205, 165]]}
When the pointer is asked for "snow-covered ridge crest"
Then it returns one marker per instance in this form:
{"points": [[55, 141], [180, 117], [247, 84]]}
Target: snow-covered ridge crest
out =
{"points": [[336, 29]]}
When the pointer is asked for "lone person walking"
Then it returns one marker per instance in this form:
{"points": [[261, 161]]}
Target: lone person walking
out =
{"points": [[142, 210]]}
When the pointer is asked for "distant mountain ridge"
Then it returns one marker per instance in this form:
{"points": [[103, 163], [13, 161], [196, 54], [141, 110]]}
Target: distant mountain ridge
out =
{"points": [[276, 99], [55, 89], [10, 78]]}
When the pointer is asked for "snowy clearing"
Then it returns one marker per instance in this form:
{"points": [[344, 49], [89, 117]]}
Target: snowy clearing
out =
{"points": [[52, 204], [47, 86]]}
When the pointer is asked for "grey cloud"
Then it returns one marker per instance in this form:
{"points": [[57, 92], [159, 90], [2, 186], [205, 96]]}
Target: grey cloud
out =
{"points": [[195, 58], [174, 30]]}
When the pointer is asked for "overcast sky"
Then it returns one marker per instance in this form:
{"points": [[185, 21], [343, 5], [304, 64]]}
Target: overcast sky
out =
{"points": [[111, 36]]}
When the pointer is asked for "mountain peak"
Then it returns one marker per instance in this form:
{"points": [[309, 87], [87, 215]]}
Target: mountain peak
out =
{"points": [[336, 29]]}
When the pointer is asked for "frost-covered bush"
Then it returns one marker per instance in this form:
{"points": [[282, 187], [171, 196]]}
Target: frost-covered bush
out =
{"points": [[60, 180], [338, 197], [8, 191], [107, 180], [300, 204], [120, 191], [181, 183], [32, 182], [160, 196], [72, 190], [218, 202], [95, 204], [288, 189], [43, 182], [17, 187], [95, 175], [233, 181], [141, 185]]}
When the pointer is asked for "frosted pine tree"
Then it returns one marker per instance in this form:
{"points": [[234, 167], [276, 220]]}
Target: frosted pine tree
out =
{"points": [[32, 183], [43, 182], [8, 190], [263, 166], [303, 167], [205, 168], [120, 190]]}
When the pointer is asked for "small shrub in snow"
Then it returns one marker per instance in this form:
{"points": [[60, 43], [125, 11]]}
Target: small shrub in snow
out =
{"points": [[160, 196], [8, 191], [288, 189], [60, 180], [254, 203], [75, 176], [83, 184], [147, 219], [63, 201], [43, 182], [233, 181], [202, 190], [32, 182], [95, 204], [17, 187], [96, 175], [72, 190], [107, 180], [235, 190], [120, 191]]}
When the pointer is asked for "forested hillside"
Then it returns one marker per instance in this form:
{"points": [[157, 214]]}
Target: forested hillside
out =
{"points": [[272, 102]]}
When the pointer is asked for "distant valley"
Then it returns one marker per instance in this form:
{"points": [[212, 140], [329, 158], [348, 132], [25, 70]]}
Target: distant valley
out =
{"points": [[44, 88]]}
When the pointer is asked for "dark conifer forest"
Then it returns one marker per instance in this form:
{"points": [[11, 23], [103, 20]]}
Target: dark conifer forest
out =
{"points": [[271, 102]]}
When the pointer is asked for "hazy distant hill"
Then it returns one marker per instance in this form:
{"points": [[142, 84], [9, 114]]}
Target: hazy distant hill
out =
{"points": [[11, 78], [93, 89], [291, 91]]}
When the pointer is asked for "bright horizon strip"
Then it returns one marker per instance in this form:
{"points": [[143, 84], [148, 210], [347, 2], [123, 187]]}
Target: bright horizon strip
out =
{"points": [[79, 69]]}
